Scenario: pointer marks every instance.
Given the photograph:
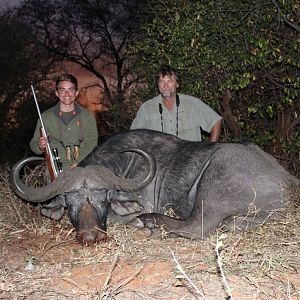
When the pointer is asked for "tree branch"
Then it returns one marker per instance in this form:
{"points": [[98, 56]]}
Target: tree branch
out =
{"points": [[285, 18]]}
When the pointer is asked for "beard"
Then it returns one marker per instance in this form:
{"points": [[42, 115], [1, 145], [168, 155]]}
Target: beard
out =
{"points": [[166, 94]]}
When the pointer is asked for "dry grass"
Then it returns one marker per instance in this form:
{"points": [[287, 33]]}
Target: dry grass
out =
{"points": [[40, 259]]}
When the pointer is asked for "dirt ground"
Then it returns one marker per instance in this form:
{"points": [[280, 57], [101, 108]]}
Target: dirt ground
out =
{"points": [[41, 259]]}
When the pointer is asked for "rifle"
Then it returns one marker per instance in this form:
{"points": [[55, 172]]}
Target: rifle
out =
{"points": [[53, 163]]}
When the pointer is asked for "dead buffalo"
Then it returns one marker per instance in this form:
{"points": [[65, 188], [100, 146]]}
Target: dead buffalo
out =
{"points": [[202, 184]]}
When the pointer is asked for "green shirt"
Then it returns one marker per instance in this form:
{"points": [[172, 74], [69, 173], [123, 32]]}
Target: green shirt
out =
{"points": [[80, 131], [193, 115]]}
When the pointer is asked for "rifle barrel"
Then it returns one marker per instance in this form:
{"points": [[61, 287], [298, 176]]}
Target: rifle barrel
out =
{"points": [[49, 155]]}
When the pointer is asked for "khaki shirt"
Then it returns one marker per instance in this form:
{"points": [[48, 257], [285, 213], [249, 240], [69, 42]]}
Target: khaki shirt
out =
{"points": [[193, 115]]}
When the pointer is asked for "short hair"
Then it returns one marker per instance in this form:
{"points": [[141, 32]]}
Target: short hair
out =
{"points": [[67, 77], [167, 70]]}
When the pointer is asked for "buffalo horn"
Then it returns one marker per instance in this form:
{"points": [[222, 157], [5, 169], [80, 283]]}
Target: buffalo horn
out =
{"points": [[38, 194], [124, 184]]}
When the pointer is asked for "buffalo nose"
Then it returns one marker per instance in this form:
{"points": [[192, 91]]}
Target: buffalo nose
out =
{"points": [[89, 237]]}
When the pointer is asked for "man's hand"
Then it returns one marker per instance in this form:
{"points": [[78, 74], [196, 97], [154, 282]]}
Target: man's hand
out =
{"points": [[43, 143], [73, 165]]}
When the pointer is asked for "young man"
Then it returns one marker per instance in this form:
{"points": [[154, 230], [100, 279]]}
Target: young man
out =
{"points": [[178, 114], [71, 129]]}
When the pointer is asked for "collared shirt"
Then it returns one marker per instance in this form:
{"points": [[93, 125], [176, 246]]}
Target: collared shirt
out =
{"points": [[193, 115], [80, 131]]}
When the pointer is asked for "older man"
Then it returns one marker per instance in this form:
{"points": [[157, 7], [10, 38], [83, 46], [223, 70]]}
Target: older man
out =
{"points": [[177, 114]]}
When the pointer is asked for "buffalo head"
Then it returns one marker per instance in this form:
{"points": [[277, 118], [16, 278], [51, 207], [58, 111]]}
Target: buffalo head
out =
{"points": [[87, 193]]}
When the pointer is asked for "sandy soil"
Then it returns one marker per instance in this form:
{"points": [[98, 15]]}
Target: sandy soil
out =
{"points": [[41, 259]]}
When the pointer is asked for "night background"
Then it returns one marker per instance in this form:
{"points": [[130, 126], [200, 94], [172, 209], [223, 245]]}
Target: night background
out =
{"points": [[240, 57]]}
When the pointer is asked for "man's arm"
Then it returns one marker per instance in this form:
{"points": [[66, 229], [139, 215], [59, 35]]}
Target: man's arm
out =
{"points": [[215, 131], [139, 120], [36, 140]]}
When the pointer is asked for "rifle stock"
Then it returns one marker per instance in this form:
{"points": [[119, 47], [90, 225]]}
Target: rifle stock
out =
{"points": [[52, 168], [49, 157]]}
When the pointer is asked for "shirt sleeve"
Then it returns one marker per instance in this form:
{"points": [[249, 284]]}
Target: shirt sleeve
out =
{"points": [[140, 121], [34, 143], [207, 116]]}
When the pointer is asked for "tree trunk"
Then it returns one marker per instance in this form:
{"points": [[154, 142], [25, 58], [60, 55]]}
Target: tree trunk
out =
{"points": [[285, 125], [228, 115]]}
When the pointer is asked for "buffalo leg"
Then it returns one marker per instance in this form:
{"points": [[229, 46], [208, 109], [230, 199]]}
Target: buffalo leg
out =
{"points": [[191, 228]]}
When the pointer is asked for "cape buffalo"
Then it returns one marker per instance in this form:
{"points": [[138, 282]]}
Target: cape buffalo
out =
{"points": [[202, 184]]}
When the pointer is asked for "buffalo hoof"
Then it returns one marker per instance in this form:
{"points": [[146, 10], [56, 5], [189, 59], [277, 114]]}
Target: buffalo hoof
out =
{"points": [[54, 213], [149, 220], [89, 237], [142, 234]]}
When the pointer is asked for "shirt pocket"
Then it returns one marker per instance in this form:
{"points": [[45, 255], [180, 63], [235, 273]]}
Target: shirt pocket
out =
{"points": [[185, 121], [155, 122], [187, 127]]}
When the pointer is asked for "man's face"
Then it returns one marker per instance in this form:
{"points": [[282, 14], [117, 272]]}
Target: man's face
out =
{"points": [[66, 92], [167, 86]]}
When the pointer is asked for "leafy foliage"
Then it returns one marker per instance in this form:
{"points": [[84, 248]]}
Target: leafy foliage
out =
{"points": [[241, 57], [244, 48]]}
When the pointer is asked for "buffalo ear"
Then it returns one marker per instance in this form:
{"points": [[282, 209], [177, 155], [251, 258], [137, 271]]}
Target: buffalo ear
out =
{"points": [[121, 208], [119, 196]]}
